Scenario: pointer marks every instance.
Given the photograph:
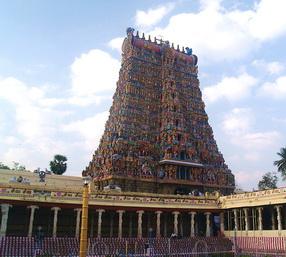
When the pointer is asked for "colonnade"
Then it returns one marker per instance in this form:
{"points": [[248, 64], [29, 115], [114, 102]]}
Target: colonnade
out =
{"points": [[242, 221], [100, 214], [158, 232]]}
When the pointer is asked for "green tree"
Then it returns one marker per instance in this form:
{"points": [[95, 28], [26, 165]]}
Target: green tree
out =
{"points": [[268, 181], [281, 164], [4, 167], [18, 167], [58, 165]]}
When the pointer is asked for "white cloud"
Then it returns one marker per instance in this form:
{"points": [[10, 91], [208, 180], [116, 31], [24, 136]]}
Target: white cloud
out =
{"points": [[94, 73], [238, 121], [279, 120], [237, 125], [152, 16], [34, 124], [250, 150], [257, 140], [218, 34], [268, 19], [264, 22], [15, 91], [11, 140], [276, 89], [35, 154], [272, 68], [252, 156], [40, 124], [230, 88], [211, 34], [245, 178], [22, 155], [116, 43], [275, 68], [32, 116], [88, 100], [90, 129]]}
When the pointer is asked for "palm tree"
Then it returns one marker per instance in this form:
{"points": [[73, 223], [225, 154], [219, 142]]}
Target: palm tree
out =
{"points": [[58, 165], [281, 164]]}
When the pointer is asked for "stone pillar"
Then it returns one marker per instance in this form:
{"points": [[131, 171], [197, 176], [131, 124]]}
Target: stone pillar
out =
{"points": [[148, 222], [273, 219], [181, 230], [260, 226], [245, 210], [32, 215], [91, 229], [5, 214], [130, 224], [111, 224], [165, 225], [55, 222], [193, 214], [176, 215], [158, 224], [221, 219], [120, 220], [208, 224], [235, 219], [279, 221], [99, 222], [77, 228], [139, 224]]}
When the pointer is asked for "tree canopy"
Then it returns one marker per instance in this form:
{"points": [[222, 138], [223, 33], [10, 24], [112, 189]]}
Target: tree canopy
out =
{"points": [[281, 163], [58, 165], [3, 166], [268, 181], [16, 166]]}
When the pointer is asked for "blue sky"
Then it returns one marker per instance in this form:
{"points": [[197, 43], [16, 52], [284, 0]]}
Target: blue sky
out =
{"points": [[59, 63]]}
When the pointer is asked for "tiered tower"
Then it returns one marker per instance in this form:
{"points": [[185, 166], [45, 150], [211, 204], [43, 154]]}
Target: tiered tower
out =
{"points": [[157, 138]]}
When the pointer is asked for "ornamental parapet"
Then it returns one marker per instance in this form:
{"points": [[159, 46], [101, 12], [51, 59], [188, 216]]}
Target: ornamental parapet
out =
{"points": [[108, 199], [259, 198]]}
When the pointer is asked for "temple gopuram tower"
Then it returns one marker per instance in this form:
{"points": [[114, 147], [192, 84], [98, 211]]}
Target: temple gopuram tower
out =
{"points": [[157, 138]]}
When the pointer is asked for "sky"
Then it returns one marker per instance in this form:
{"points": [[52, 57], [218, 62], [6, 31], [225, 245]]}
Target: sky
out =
{"points": [[59, 63]]}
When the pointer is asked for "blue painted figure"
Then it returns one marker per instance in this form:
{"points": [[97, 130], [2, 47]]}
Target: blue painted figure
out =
{"points": [[129, 31], [189, 51]]}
